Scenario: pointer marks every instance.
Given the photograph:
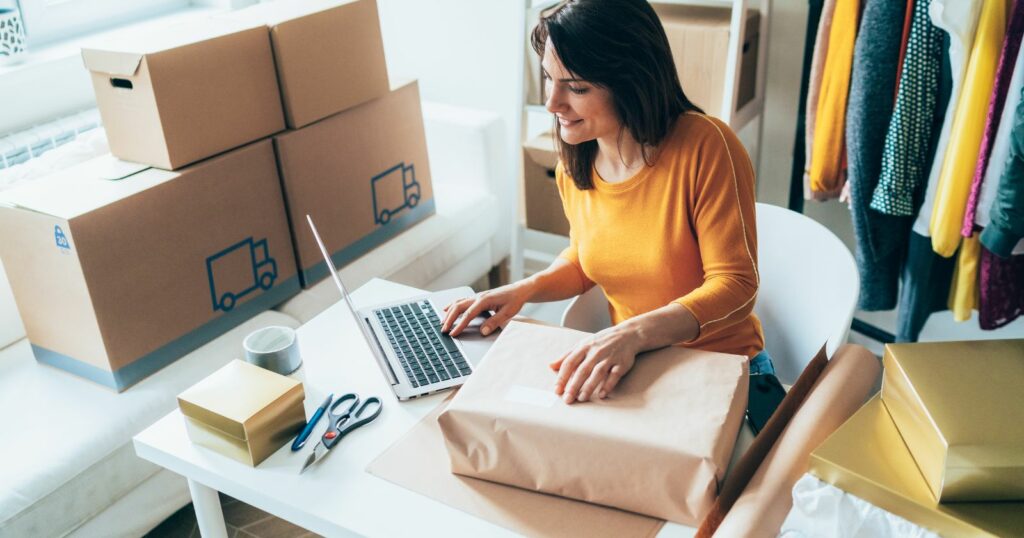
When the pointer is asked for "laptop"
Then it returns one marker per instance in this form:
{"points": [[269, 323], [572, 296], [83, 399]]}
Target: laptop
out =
{"points": [[405, 338]]}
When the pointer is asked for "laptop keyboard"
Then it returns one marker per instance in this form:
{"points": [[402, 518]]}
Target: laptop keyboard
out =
{"points": [[426, 355]]}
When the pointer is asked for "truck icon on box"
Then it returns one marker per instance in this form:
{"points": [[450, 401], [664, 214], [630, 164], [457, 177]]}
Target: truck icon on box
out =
{"points": [[239, 270], [393, 190]]}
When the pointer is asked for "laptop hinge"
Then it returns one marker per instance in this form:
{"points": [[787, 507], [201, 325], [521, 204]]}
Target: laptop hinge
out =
{"points": [[382, 357]]}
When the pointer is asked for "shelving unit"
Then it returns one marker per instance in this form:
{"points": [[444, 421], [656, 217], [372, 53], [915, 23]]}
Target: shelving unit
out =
{"points": [[536, 115]]}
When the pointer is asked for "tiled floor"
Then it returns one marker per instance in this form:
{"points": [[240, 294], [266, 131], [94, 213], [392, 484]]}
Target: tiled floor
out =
{"points": [[242, 520]]}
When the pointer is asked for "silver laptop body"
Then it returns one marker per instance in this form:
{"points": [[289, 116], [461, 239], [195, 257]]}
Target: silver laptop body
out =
{"points": [[405, 338]]}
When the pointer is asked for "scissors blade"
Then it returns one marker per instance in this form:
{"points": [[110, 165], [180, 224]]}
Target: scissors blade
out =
{"points": [[319, 451]]}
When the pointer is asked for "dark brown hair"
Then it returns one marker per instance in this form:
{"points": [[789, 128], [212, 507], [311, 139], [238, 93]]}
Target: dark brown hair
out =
{"points": [[619, 45]]}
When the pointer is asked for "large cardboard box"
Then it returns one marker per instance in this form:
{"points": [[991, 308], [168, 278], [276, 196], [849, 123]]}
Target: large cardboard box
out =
{"points": [[243, 411], [960, 408], [116, 278], [658, 445], [186, 92], [544, 210], [329, 54], [362, 175], [699, 38], [867, 457]]}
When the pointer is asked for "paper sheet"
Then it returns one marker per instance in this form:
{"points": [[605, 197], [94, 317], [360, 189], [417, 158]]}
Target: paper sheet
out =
{"points": [[419, 463]]}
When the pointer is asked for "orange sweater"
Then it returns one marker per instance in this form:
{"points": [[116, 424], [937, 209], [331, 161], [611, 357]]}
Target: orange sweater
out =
{"points": [[682, 230]]}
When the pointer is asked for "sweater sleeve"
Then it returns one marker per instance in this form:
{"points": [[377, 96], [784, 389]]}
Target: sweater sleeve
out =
{"points": [[723, 216], [1007, 225]]}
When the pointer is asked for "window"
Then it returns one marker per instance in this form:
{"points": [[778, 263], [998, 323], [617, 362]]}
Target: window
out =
{"points": [[47, 21]]}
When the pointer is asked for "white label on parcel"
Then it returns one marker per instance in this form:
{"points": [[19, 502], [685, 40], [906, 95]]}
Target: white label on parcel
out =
{"points": [[531, 396]]}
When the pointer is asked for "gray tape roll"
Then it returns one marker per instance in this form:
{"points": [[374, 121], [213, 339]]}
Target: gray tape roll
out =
{"points": [[275, 348]]}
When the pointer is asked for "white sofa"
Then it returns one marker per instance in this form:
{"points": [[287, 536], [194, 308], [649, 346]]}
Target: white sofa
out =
{"points": [[68, 467]]}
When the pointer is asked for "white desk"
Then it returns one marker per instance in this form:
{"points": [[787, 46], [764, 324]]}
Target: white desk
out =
{"points": [[337, 497]]}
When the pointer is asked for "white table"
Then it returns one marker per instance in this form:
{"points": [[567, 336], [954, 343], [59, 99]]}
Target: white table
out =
{"points": [[337, 497]]}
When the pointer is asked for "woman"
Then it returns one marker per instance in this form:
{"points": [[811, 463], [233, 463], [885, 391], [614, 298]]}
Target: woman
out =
{"points": [[659, 197]]}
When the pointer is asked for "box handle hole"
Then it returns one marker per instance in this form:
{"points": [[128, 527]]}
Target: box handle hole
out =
{"points": [[551, 173], [121, 83]]}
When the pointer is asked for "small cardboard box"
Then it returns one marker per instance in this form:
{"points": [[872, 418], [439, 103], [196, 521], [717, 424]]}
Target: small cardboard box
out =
{"points": [[544, 210], [186, 92], [243, 411], [658, 445], [362, 175], [867, 457], [699, 38], [329, 54], [116, 278], [960, 408]]}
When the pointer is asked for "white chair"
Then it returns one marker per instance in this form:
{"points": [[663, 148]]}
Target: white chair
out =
{"points": [[807, 296]]}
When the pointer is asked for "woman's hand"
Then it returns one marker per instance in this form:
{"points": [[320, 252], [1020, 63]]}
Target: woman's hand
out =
{"points": [[595, 365], [505, 301]]}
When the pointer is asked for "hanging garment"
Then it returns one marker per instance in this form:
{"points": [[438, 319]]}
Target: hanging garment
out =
{"points": [[968, 126], [796, 191], [1005, 228], [908, 139], [880, 239], [963, 291], [827, 173], [1006, 74], [959, 18], [908, 20], [1002, 290], [926, 278], [828, 10]]}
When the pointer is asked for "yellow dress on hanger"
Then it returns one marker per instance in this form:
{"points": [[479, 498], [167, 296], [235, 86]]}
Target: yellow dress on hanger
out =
{"points": [[964, 293], [827, 173], [968, 127]]}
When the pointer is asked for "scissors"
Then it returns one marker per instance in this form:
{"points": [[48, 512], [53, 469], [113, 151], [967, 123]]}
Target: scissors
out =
{"points": [[339, 425]]}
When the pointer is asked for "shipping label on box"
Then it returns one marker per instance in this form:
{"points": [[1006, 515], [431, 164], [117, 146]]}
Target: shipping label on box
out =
{"points": [[116, 278], [185, 92], [363, 175], [329, 54]]}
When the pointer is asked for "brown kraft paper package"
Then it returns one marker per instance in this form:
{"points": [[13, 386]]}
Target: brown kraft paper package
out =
{"points": [[658, 445]]}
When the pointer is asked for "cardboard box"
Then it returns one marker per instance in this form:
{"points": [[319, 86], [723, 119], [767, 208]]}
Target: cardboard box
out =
{"points": [[243, 411], [867, 457], [657, 446], [699, 38], [329, 54], [186, 92], [544, 210], [362, 175], [960, 408], [115, 279]]}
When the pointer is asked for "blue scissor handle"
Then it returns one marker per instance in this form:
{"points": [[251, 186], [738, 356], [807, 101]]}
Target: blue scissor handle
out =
{"points": [[339, 425]]}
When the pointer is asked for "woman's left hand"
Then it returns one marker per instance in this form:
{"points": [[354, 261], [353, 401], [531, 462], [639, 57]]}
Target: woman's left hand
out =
{"points": [[595, 365]]}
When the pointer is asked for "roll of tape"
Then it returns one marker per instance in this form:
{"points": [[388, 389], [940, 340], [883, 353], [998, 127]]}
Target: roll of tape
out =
{"points": [[275, 348]]}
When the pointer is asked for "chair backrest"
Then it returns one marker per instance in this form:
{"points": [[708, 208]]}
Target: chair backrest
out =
{"points": [[807, 296]]}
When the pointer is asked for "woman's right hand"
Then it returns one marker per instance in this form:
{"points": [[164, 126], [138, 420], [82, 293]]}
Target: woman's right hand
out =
{"points": [[505, 302]]}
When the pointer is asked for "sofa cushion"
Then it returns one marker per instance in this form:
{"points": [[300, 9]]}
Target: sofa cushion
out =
{"points": [[466, 220], [68, 453]]}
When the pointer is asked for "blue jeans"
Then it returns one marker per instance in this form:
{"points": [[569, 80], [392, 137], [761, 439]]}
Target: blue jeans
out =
{"points": [[762, 364]]}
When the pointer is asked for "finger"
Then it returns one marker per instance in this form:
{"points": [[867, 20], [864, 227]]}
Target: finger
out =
{"points": [[497, 320], [468, 315], [454, 310], [614, 375], [572, 388], [568, 366], [594, 381]]}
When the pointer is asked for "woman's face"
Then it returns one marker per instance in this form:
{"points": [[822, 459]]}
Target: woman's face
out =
{"points": [[584, 110]]}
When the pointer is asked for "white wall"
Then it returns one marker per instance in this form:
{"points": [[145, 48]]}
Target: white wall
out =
{"points": [[466, 53]]}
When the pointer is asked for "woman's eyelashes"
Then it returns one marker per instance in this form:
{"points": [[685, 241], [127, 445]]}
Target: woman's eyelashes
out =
{"points": [[578, 90]]}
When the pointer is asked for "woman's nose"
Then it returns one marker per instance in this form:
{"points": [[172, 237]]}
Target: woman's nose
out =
{"points": [[556, 99]]}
